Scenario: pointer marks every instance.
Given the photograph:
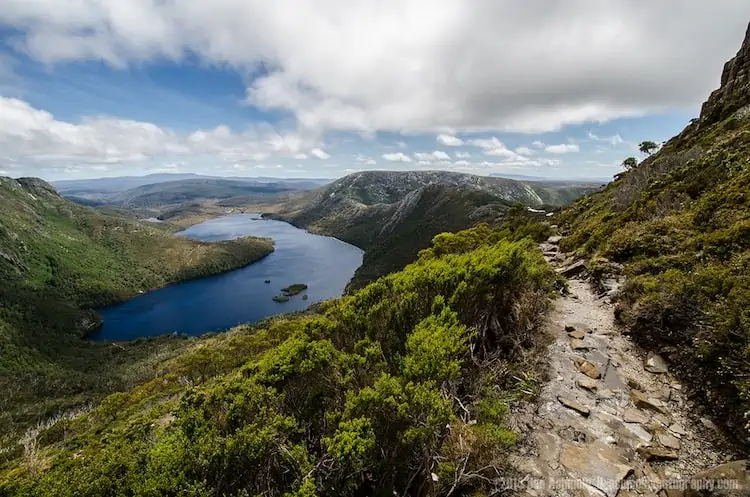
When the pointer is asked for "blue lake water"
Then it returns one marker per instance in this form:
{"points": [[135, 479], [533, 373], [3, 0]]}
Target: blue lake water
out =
{"points": [[219, 302]]}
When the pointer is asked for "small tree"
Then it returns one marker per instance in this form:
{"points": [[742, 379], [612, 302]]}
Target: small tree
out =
{"points": [[647, 147], [630, 163]]}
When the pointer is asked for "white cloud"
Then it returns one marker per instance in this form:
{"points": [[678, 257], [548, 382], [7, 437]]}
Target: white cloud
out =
{"points": [[437, 155], [364, 159], [397, 157], [538, 144], [320, 154], [449, 140], [391, 65], [524, 151], [563, 148], [493, 146], [462, 155], [613, 140], [35, 138]]}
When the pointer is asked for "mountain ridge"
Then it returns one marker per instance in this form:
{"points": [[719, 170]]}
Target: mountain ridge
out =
{"points": [[392, 215]]}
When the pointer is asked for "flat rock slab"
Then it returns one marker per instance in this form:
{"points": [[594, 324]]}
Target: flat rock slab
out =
{"points": [[641, 400], [577, 344], [678, 430], [598, 464], [554, 240], [658, 454], [587, 383], [669, 441], [634, 416], [573, 270], [654, 363], [575, 405], [639, 432], [577, 334]]}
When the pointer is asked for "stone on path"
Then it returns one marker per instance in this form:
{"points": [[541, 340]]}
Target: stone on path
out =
{"points": [[669, 441], [655, 363], [678, 430], [577, 344], [638, 431], [572, 270], [554, 240], [587, 383], [578, 334], [589, 369], [596, 464], [576, 406], [641, 400], [658, 454], [634, 416]]}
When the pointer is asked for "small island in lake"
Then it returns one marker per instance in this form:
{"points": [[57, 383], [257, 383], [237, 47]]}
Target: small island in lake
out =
{"points": [[294, 289], [267, 281], [291, 291]]}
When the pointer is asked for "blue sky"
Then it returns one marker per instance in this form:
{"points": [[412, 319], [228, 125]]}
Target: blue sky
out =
{"points": [[322, 89]]}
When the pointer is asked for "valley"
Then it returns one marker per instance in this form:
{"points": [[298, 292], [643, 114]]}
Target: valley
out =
{"points": [[420, 333]]}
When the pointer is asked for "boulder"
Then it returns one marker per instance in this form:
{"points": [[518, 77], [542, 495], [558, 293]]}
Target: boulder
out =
{"points": [[554, 240]]}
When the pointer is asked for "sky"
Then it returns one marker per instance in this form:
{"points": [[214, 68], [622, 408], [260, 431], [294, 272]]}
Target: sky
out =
{"points": [[323, 88]]}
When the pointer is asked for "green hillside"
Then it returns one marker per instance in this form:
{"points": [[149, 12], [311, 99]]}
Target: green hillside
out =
{"points": [[57, 261], [678, 227], [368, 395]]}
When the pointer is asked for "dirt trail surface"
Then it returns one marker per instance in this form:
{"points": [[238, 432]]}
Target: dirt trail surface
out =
{"points": [[611, 420]]}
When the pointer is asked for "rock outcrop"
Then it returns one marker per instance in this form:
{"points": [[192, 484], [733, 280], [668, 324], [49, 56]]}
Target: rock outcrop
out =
{"points": [[734, 92]]}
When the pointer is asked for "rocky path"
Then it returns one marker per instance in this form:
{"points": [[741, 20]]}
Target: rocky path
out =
{"points": [[611, 420]]}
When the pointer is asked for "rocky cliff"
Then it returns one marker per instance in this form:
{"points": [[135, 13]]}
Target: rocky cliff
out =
{"points": [[734, 92]]}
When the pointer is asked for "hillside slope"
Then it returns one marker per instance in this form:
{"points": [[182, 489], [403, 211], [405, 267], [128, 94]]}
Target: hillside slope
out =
{"points": [[402, 388], [57, 261], [392, 215], [678, 227]]}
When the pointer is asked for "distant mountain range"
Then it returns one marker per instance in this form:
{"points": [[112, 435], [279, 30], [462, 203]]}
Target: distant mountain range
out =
{"points": [[392, 215], [165, 190], [122, 183]]}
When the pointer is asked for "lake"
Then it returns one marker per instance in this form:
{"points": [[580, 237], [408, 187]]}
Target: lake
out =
{"points": [[219, 302]]}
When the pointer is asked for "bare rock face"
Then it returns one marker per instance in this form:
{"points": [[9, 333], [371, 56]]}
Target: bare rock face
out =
{"points": [[734, 92]]}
